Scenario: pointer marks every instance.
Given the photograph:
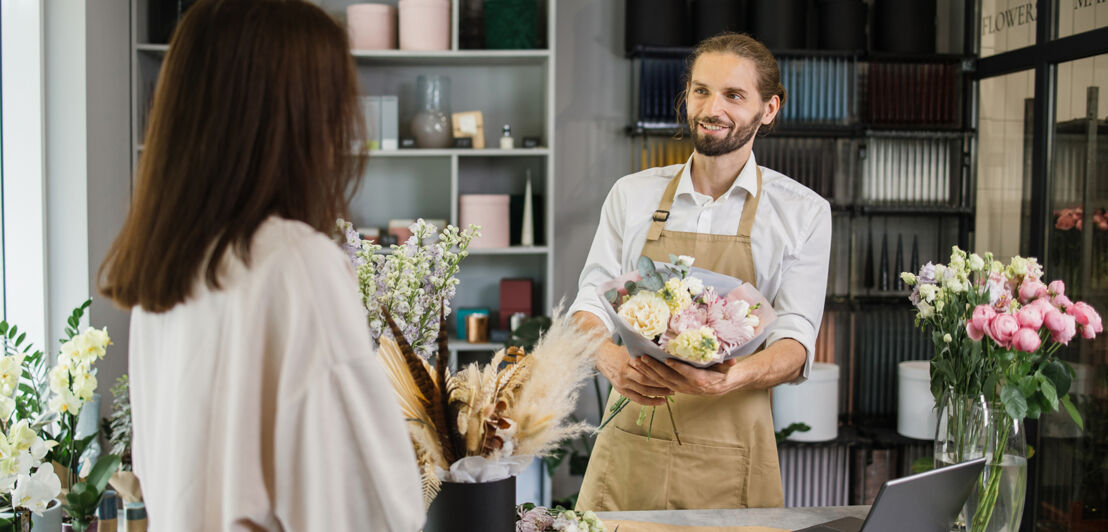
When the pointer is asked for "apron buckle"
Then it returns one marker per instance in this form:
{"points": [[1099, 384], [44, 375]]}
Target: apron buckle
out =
{"points": [[661, 216]]}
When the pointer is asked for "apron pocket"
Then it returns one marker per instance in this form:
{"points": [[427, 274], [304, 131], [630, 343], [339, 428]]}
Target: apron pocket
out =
{"points": [[635, 476], [708, 476]]}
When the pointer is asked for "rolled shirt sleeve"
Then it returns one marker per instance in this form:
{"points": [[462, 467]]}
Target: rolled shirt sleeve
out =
{"points": [[800, 298], [604, 261]]}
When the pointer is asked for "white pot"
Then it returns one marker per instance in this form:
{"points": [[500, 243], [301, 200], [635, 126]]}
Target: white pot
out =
{"points": [[50, 520], [814, 402], [915, 411]]}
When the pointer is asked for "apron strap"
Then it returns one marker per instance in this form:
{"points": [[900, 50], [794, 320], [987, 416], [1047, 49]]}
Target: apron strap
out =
{"points": [[660, 216], [750, 209]]}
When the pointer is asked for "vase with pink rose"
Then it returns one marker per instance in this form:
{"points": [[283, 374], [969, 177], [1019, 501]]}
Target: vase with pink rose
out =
{"points": [[996, 329]]}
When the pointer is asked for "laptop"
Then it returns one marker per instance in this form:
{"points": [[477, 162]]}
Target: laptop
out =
{"points": [[926, 502]]}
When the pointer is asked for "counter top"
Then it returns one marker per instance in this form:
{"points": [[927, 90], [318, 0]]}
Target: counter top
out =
{"points": [[787, 518]]}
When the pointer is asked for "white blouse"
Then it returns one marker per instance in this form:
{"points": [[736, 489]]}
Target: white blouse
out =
{"points": [[262, 404], [791, 241]]}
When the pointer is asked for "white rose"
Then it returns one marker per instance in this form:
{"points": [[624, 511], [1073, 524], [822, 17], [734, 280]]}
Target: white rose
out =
{"points": [[694, 285], [925, 310], [928, 292], [647, 313], [976, 263]]}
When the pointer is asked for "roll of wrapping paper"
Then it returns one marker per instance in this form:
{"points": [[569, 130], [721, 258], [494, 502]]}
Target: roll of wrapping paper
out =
{"points": [[818, 89], [913, 94]]}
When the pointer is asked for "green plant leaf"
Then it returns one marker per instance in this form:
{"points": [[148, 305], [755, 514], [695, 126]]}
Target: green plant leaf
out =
{"points": [[1059, 375], [646, 266], [652, 282], [1046, 387], [1074, 414], [1015, 403], [1034, 406], [612, 296], [923, 464]]}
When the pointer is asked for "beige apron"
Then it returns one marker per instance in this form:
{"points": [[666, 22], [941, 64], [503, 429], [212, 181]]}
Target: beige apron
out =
{"points": [[729, 454]]}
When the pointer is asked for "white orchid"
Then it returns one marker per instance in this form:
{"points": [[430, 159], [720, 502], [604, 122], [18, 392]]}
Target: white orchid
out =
{"points": [[34, 492]]}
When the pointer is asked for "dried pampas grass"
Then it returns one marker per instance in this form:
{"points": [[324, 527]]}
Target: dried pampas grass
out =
{"points": [[558, 366]]}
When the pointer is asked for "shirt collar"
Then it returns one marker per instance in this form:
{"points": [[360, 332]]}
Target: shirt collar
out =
{"points": [[747, 180]]}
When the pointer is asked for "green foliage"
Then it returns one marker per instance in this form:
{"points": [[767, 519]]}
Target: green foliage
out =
{"points": [[784, 433], [118, 425], [923, 464], [527, 334], [84, 497]]}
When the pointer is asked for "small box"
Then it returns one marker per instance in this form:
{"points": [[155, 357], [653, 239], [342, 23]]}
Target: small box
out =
{"points": [[370, 234], [516, 295], [407, 143], [371, 109], [390, 132], [462, 314], [401, 229], [463, 142], [470, 124]]}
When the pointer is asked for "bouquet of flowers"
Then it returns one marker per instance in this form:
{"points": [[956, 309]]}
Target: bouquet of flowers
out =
{"points": [[698, 316], [540, 519], [414, 282], [997, 329], [487, 422]]}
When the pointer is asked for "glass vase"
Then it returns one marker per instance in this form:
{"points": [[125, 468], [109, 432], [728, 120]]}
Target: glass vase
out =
{"points": [[431, 124], [996, 503], [958, 434]]}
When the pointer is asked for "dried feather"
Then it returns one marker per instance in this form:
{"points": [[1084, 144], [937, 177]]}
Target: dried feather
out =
{"points": [[424, 379], [462, 389], [559, 366], [442, 376]]}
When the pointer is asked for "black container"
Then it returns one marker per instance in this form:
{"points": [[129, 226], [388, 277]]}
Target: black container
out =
{"points": [[712, 17], [904, 26], [162, 17], [842, 24], [656, 23], [484, 507], [780, 24]]}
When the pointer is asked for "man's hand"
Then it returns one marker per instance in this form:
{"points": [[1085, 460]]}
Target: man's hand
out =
{"points": [[783, 361], [614, 362]]}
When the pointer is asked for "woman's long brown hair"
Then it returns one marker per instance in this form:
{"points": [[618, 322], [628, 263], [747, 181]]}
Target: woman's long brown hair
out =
{"points": [[255, 114]]}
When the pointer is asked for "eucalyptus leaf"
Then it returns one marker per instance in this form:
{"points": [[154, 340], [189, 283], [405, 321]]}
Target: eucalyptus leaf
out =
{"points": [[646, 266], [631, 287], [612, 296], [652, 282]]}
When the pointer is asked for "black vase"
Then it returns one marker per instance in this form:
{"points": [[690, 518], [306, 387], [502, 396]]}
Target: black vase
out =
{"points": [[904, 26], [656, 23], [483, 507], [842, 25], [780, 24], [712, 17]]}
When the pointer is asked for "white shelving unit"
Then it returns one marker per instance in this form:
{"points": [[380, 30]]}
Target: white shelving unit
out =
{"points": [[508, 86]]}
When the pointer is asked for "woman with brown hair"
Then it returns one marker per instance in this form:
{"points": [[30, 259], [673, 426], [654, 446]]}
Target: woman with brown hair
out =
{"points": [[257, 401]]}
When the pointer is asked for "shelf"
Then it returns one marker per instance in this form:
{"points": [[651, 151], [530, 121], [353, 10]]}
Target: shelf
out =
{"points": [[453, 57], [889, 298], [887, 57], [461, 152], [912, 210], [514, 250], [443, 57], [462, 345]]}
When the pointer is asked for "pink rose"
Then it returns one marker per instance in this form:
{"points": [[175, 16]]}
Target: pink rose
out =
{"points": [[1031, 290], [1085, 315], [1062, 327], [1066, 220], [1062, 302], [974, 332], [1057, 288], [982, 316], [1026, 340], [1030, 316], [1002, 329]]}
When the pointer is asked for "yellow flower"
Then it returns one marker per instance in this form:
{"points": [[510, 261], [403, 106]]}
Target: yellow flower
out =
{"points": [[64, 402], [647, 313], [20, 437], [11, 367], [676, 295], [699, 345], [59, 378], [84, 385]]}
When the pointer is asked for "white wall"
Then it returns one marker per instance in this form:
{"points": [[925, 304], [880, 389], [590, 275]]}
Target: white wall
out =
{"points": [[592, 108]]}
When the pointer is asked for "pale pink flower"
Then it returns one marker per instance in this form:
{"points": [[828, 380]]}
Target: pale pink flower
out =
{"points": [[982, 316], [732, 321], [974, 332], [1002, 329], [1057, 288], [1062, 327], [1061, 301], [691, 317], [1026, 340], [997, 286], [1085, 315], [1031, 290], [1030, 316]]}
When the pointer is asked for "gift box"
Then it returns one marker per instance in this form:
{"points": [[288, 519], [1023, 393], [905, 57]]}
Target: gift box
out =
{"points": [[516, 296]]}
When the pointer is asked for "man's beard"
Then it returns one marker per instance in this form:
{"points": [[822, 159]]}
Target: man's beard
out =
{"points": [[713, 147]]}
